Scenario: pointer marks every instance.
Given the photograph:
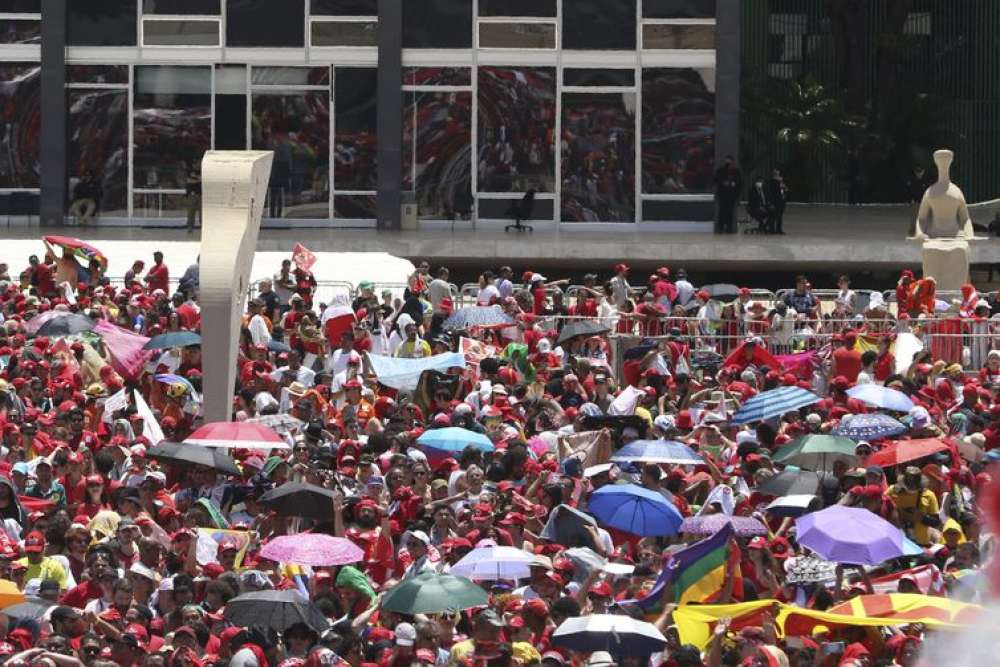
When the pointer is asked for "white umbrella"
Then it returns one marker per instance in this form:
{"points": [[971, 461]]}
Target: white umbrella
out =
{"points": [[494, 563], [618, 635]]}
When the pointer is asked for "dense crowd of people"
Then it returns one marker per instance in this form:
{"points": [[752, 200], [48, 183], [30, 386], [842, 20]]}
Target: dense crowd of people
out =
{"points": [[429, 436]]}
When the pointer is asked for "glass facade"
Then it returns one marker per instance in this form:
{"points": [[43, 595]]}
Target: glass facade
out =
{"points": [[606, 110]]}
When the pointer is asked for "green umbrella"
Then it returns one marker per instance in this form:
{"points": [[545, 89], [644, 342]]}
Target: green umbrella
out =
{"points": [[433, 593], [816, 452]]}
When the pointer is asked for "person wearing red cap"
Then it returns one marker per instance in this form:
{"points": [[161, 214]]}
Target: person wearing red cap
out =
{"points": [[38, 565]]}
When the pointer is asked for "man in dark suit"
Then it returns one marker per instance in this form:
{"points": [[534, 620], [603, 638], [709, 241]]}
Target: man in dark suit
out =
{"points": [[777, 196], [757, 204], [728, 185]]}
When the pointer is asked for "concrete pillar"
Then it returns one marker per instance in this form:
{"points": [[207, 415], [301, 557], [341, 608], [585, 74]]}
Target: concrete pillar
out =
{"points": [[53, 113], [233, 185], [727, 79], [390, 112]]}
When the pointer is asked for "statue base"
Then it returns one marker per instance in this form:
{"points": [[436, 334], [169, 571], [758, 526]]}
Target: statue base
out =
{"points": [[947, 261]]}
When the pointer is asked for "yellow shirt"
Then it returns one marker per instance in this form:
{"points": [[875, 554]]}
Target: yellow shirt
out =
{"points": [[912, 506], [48, 568], [523, 651]]}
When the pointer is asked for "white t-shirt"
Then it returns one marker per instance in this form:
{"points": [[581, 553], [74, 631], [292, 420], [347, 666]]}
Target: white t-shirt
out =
{"points": [[487, 295]]}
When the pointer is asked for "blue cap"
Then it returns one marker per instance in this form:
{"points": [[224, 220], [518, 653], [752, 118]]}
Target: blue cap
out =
{"points": [[20, 467]]}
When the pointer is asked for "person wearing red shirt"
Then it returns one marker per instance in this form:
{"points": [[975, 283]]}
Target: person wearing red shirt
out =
{"points": [[41, 277], [158, 276], [885, 362], [846, 359], [73, 481]]}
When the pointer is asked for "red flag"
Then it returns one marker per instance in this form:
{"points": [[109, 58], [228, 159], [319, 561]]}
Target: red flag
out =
{"points": [[302, 257]]}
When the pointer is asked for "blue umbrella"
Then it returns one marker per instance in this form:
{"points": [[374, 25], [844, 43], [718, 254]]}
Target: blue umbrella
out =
{"points": [[172, 339], [170, 378], [886, 398], [478, 316], [869, 427], [774, 403], [635, 510], [657, 451], [454, 439]]}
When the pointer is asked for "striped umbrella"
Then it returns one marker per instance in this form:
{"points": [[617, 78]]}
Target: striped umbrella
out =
{"points": [[710, 524], [657, 451], [483, 317], [774, 403], [869, 427]]}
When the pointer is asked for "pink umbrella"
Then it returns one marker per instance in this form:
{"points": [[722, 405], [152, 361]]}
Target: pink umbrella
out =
{"points": [[236, 435], [312, 549]]}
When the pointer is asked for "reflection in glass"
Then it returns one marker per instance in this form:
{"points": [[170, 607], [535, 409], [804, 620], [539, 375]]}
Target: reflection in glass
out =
{"points": [[596, 76], [517, 35], [517, 116], [182, 7], [172, 124], [290, 76], [678, 130], [20, 31], [296, 126], [355, 207], [23, 6], [180, 33], [517, 8], [159, 205], [97, 127], [345, 33], [678, 9], [344, 8], [265, 23], [20, 119], [97, 73], [437, 76], [104, 23], [665, 36], [599, 24], [598, 159], [437, 24], [355, 147], [437, 151]]}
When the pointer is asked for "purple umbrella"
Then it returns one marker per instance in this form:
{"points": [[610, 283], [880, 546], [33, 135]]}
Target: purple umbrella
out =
{"points": [[312, 549], [710, 524], [851, 535]]}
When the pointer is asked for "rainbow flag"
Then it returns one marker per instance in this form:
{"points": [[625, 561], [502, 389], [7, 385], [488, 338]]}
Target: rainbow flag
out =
{"points": [[694, 574]]}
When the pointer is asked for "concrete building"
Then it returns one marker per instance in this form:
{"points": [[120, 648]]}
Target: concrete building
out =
{"points": [[613, 112]]}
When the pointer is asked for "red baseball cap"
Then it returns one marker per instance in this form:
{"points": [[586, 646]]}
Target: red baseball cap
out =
{"points": [[34, 543]]}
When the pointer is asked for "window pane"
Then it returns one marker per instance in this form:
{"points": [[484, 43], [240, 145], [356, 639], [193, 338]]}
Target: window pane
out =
{"points": [[22, 6], [437, 24], [97, 73], [180, 33], [678, 9], [355, 148], [98, 145], [678, 130], [172, 124], [345, 33], [437, 146], [105, 23], [209, 7], [437, 76], [517, 7], [500, 209], [355, 207], [678, 36], [598, 77], [290, 76], [344, 8], [517, 35], [20, 118], [599, 24], [16, 31], [686, 211], [517, 117], [297, 128], [159, 205], [265, 23], [598, 159]]}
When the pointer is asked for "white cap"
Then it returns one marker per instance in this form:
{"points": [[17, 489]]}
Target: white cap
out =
{"points": [[593, 471], [143, 571], [406, 634], [421, 536], [600, 659], [745, 436], [536, 277]]}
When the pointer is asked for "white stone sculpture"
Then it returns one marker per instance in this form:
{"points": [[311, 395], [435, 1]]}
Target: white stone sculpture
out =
{"points": [[944, 227], [234, 184]]}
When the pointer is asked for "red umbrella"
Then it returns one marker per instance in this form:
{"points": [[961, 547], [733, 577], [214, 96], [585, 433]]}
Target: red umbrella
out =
{"points": [[79, 248], [236, 435], [904, 451]]}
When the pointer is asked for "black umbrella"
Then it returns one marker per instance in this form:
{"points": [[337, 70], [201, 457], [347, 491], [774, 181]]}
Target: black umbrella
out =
{"points": [[278, 610], [791, 482], [300, 499], [567, 526], [66, 325], [180, 453], [723, 291], [32, 609], [582, 328]]}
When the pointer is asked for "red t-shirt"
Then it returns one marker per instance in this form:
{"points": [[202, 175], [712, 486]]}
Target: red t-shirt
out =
{"points": [[848, 363], [159, 278], [43, 277]]}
